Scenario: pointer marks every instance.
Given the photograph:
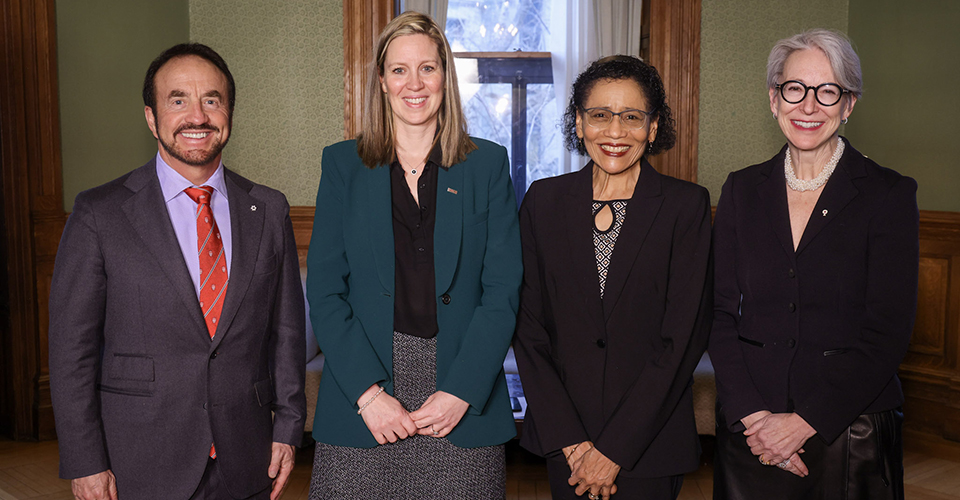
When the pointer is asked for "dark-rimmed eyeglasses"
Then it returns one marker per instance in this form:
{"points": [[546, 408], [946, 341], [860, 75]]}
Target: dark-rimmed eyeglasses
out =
{"points": [[827, 94], [630, 119]]}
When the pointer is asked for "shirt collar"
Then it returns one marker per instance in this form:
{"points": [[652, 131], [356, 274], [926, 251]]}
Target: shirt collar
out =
{"points": [[172, 183]]}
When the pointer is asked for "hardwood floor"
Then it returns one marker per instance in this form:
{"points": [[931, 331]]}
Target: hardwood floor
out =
{"points": [[29, 471]]}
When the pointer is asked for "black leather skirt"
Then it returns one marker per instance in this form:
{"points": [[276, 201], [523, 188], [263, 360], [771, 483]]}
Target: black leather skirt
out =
{"points": [[865, 462]]}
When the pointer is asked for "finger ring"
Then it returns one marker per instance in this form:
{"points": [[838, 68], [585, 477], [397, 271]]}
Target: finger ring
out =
{"points": [[786, 462], [435, 433], [594, 497], [782, 465], [764, 462]]}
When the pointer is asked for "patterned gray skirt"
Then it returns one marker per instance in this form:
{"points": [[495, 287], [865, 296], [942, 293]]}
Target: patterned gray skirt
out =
{"points": [[416, 467]]}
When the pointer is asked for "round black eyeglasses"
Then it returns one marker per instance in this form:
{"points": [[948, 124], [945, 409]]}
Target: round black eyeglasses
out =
{"points": [[826, 94]]}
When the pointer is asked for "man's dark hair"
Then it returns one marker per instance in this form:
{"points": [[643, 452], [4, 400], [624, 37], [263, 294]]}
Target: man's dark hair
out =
{"points": [[181, 50]]}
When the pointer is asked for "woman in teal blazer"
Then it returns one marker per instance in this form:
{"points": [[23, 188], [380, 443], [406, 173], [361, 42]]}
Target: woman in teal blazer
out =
{"points": [[353, 278]]}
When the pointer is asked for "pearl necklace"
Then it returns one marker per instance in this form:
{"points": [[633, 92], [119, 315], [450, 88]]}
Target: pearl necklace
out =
{"points": [[821, 178]]}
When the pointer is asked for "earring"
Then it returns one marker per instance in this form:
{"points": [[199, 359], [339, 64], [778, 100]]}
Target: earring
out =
{"points": [[775, 116], [843, 121]]}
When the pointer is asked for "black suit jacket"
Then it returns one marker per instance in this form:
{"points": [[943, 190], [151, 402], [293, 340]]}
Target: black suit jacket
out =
{"points": [[615, 371], [820, 330], [137, 384]]}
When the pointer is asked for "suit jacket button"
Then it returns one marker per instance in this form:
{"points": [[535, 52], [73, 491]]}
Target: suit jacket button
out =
{"points": [[792, 307], [601, 344], [791, 273], [204, 406], [445, 299], [791, 343], [214, 355]]}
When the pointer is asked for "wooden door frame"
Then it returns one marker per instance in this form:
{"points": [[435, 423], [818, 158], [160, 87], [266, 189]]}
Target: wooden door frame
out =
{"points": [[33, 208]]}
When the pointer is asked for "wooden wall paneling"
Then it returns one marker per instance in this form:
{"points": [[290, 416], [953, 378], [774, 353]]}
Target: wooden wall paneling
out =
{"points": [[931, 369], [362, 22], [673, 47], [30, 134]]}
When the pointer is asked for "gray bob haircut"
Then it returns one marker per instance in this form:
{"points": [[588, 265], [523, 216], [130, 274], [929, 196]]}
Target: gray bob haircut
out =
{"points": [[836, 45]]}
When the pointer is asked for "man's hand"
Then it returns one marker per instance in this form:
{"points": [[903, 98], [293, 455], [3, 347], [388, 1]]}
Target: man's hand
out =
{"points": [[99, 486], [281, 464]]}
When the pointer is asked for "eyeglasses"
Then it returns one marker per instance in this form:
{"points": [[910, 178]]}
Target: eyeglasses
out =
{"points": [[630, 119], [827, 94]]}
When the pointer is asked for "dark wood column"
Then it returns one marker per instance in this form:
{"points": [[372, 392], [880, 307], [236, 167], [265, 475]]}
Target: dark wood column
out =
{"points": [[671, 42], [32, 208], [362, 22]]}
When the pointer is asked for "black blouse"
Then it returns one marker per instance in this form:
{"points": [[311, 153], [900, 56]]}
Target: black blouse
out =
{"points": [[415, 301]]}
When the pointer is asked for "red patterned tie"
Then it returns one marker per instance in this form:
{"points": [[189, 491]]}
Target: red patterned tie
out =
{"points": [[213, 263]]}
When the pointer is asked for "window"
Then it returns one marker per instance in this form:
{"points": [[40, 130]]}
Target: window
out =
{"points": [[506, 81]]}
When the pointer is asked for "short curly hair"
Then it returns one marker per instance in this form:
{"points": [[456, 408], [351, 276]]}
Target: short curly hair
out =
{"points": [[621, 68]]}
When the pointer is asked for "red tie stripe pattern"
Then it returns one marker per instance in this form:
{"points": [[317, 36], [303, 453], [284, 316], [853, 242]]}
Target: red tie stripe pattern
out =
{"points": [[213, 261]]}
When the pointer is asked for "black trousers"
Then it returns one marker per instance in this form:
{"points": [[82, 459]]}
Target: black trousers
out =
{"points": [[212, 486], [628, 488], [865, 462]]}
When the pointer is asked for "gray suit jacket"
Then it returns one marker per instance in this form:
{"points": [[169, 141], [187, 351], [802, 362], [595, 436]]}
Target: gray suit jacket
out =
{"points": [[137, 384]]}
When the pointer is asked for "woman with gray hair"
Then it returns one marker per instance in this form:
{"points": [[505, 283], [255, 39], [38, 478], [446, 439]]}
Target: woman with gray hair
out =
{"points": [[816, 253]]}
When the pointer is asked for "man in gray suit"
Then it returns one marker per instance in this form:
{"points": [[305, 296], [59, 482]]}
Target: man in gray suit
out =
{"points": [[176, 313]]}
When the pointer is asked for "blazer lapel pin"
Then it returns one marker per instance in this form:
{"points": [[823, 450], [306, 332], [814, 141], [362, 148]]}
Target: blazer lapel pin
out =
{"points": [[824, 212], [451, 190], [253, 208]]}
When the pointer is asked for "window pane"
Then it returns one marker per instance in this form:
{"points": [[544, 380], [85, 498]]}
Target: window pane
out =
{"points": [[487, 107], [498, 26], [544, 136]]}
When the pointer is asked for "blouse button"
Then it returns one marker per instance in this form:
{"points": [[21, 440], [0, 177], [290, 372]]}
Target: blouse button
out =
{"points": [[601, 344]]}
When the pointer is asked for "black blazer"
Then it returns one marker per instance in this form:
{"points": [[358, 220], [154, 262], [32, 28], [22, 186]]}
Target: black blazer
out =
{"points": [[820, 330], [615, 371]]}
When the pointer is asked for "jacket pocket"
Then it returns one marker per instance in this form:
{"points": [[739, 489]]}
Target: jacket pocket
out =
{"points": [[131, 367], [266, 265], [264, 390], [752, 342]]}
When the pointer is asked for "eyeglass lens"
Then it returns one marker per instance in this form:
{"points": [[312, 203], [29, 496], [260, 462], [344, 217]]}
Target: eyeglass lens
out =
{"points": [[827, 94], [630, 119]]}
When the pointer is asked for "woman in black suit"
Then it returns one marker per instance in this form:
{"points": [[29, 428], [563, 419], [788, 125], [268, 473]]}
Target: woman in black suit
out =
{"points": [[615, 300], [816, 254]]}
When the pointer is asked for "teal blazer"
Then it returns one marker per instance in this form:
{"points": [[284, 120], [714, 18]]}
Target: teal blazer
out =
{"points": [[350, 286]]}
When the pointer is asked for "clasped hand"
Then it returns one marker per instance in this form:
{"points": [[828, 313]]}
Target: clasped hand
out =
{"points": [[779, 438], [591, 471], [389, 421]]}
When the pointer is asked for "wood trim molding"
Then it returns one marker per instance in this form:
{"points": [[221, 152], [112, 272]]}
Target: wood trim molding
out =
{"points": [[362, 22], [672, 44], [32, 207]]}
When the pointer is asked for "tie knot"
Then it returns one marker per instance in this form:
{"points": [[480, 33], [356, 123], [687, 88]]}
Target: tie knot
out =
{"points": [[200, 195]]}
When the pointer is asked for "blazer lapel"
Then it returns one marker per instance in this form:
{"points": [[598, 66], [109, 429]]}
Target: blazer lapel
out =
{"points": [[641, 213], [246, 220], [772, 191], [147, 213], [578, 214], [379, 223], [836, 194], [448, 229]]}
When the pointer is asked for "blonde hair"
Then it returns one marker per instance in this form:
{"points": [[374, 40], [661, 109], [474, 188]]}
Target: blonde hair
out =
{"points": [[376, 142]]}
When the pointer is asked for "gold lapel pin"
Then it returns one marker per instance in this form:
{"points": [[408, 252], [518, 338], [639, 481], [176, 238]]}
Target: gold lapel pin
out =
{"points": [[451, 190]]}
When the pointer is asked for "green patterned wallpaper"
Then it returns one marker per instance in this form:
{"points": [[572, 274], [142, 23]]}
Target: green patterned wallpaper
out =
{"points": [[736, 126], [287, 59]]}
